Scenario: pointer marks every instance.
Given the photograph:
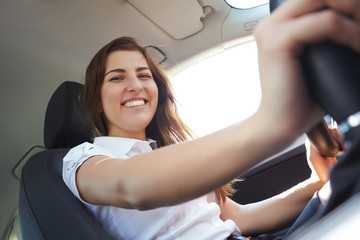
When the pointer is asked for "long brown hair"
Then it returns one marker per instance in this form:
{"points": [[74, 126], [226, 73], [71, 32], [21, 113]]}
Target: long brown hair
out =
{"points": [[166, 127]]}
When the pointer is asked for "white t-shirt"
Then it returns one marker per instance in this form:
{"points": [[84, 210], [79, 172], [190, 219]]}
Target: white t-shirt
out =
{"points": [[195, 219]]}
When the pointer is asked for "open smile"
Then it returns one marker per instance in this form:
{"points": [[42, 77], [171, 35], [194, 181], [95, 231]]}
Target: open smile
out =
{"points": [[135, 103]]}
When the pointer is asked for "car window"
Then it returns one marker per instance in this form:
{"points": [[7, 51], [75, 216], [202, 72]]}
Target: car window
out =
{"points": [[220, 90], [14, 233], [244, 4]]}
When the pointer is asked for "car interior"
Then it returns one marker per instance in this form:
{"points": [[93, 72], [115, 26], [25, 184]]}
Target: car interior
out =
{"points": [[45, 48]]}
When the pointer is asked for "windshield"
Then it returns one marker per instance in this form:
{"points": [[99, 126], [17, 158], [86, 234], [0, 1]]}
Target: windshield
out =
{"points": [[220, 90]]}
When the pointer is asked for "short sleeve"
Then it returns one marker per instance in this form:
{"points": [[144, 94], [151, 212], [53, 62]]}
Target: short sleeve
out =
{"points": [[73, 160]]}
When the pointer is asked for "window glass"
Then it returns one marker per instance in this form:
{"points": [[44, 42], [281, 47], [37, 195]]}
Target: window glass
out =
{"points": [[244, 4], [15, 231], [220, 90]]}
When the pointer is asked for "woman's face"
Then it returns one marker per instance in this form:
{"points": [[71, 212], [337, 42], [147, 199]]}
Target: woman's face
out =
{"points": [[129, 94]]}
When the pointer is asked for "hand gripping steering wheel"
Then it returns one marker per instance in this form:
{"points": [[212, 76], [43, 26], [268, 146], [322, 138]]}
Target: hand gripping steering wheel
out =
{"points": [[332, 75]]}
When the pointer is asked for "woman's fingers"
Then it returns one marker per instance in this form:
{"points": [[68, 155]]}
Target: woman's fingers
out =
{"points": [[319, 165], [294, 8], [350, 8], [329, 25], [302, 22]]}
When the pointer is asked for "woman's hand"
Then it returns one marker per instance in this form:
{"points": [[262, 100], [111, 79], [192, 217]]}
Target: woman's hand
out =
{"points": [[281, 39], [321, 166]]}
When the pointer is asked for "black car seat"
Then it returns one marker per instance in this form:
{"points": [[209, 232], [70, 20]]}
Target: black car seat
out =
{"points": [[47, 209]]}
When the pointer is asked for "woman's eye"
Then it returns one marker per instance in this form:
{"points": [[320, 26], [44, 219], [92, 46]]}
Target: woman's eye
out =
{"points": [[117, 78], [144, 76]]}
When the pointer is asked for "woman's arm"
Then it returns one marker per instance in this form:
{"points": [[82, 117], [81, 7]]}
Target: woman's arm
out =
{"points": [[270, 213], [182, 172], [274, 212], [179, 172]]}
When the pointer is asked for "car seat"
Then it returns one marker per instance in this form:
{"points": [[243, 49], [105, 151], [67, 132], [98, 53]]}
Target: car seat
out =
{"points": [[47, 209]]}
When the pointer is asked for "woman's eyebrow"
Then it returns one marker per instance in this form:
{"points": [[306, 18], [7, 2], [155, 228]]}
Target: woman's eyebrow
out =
{"points": [[122, 70], [142, 68], [115, 70]]}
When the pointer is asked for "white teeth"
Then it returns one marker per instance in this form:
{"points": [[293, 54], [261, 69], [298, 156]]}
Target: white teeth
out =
{"points": [[134, 103]]}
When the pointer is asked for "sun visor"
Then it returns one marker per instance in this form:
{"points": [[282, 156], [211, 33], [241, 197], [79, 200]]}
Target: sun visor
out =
{"points": [[177, 18]]}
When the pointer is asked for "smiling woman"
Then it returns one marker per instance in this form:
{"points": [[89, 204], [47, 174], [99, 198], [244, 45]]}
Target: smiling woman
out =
{"points": [[220, 90], [128, 91]]}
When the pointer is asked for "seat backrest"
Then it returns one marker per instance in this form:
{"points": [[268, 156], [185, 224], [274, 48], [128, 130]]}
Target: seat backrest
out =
{"points": [[47, 209], [67, 124]]}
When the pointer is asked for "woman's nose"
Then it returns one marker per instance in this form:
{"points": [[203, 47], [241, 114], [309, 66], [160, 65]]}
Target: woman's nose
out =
{"points": [[134, 84]]}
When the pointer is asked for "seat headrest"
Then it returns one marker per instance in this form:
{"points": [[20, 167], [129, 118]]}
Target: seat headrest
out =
{"points": [[67, 124]]}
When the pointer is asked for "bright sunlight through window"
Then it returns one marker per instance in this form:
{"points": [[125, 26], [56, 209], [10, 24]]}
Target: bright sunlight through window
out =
{"points": [[220, 90], [244, 4]]}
